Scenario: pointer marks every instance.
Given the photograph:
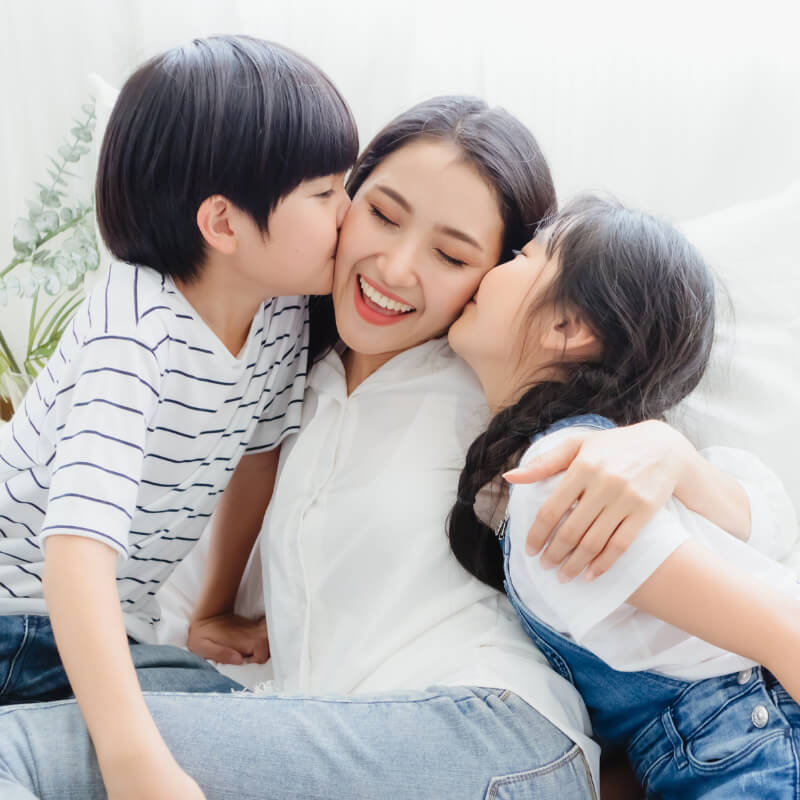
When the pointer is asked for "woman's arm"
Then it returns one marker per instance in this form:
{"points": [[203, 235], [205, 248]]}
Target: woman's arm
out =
{"points": [[723, 605], [214, 630], [615, 481]]}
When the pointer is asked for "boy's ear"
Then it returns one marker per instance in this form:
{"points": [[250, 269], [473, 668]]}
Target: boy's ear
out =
{"points": [[214, 219], [568, 334]]}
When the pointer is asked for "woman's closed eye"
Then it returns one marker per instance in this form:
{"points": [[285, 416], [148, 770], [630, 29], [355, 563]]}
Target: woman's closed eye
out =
{"points": [[376, 212], [449, 259]]}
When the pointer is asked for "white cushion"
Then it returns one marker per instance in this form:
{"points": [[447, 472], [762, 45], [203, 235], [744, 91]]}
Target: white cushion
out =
{"points": [[750, 396]]}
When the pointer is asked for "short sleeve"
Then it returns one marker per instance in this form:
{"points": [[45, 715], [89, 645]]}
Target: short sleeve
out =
{"points": [[773, 521], [98, 421], [282, 413], [579, 605]]}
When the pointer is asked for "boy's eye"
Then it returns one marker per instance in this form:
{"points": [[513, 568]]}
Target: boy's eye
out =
{"points": [[382, 217], [450, 260], [328, 193]]}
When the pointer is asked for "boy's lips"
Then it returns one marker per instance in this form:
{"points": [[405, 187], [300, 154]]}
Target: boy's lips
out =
{"points": [[374, 313]]}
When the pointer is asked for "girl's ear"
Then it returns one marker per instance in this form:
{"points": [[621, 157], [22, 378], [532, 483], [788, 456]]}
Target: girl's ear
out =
{"points": [[569, 335], [216, 223]]}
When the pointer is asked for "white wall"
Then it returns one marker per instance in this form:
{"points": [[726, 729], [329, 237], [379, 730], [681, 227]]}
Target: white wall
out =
{"points": [[682, 108]]}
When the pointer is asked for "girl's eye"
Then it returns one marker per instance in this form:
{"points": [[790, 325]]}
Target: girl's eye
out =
{"points": [[516, 253], [382, 217], [450, 260]]}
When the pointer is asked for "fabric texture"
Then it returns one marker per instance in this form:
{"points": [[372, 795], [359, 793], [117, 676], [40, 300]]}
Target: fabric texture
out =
{"points": [[444, 742]]}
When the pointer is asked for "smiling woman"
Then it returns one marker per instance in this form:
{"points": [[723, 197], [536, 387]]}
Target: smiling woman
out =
{"points": [[423, 229]]}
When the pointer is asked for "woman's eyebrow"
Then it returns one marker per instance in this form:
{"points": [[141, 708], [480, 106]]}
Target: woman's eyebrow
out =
{"points": [[396, 196], [457, 234]]}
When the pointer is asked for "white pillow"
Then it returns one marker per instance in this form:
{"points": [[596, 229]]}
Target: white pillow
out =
{"points": [[750, 396]]}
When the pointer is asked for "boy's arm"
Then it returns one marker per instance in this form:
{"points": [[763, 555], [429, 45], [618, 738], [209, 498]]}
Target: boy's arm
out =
{"points": [[723, 605], [215, 632], [79, 583]]}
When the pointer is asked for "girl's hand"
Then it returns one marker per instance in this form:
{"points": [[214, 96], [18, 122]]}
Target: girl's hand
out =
{"points": [[229, 639], [614, 483]]}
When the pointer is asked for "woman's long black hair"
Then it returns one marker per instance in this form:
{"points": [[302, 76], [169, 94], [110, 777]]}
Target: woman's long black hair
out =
{"points": [[492, 141], [648, 297]]}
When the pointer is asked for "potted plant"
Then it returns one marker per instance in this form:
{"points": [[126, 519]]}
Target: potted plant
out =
{"points": [[55, 247]]}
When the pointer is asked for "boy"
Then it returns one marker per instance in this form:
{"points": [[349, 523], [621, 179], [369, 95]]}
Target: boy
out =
{"points": [[219, 192]]}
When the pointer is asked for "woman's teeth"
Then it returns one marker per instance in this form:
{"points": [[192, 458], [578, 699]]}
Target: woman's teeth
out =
{"points": [[384, 302]]}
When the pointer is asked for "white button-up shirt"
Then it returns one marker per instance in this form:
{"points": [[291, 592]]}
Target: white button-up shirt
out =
{"points": [[362, 592]]}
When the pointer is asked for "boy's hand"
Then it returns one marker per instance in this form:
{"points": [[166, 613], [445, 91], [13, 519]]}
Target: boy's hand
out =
{"points": [[229, 639], [157, 777]]}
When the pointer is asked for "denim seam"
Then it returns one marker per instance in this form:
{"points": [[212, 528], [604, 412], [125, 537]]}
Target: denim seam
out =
{"points": [[20, 649], [646, 775], [724, 763], [717, 711], [519, 777]]}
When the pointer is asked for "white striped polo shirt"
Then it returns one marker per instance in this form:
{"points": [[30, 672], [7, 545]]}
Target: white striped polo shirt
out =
{"points": [[131, 432]]}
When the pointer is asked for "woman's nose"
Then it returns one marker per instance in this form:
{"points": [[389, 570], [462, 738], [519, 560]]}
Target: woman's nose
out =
{"points": [[396, 267]]}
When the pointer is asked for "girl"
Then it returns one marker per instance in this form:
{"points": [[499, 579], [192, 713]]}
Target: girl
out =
{"points": [[617, 311]]}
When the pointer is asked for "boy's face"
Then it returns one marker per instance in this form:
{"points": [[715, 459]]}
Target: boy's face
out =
{"points": [[296, 255]]}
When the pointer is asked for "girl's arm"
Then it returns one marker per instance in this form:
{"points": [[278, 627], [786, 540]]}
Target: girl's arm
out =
{"points": [[215, 632], [723, 605], [79, 582], [616, 480]]}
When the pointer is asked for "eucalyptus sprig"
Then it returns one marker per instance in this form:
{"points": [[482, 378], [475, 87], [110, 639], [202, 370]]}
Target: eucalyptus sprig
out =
{"points": [[54, 247]]}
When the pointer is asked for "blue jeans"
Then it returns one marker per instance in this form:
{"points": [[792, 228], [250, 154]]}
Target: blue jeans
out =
{"points": [[735, 737], [447, 742], [31, 669]]}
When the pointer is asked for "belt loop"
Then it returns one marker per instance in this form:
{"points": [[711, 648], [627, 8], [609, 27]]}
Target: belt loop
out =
{"points": [[675, 739]]}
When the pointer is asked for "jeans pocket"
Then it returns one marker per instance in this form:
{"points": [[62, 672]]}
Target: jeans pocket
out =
{"points": [[566, 778], [735, 731]]}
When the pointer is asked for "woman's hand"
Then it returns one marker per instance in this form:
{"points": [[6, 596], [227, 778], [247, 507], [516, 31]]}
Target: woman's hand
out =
{"points": [[229, 639], [615, 480]]}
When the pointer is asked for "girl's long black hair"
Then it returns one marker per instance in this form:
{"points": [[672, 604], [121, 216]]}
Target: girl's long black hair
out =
{"points": [[648, 297], [493, 141]]}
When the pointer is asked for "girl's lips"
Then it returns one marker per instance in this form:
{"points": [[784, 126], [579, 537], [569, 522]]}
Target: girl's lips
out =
{"points": [[372, 313]]}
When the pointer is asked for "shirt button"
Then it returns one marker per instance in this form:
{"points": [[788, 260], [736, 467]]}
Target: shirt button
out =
{"points": [[744, 676], [760, 716]]}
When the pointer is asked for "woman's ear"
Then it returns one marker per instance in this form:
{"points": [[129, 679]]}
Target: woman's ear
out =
{"points": [[215, 221], [569, 335]]}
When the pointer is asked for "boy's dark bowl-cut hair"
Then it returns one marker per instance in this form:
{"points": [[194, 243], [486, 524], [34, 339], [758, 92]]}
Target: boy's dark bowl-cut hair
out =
{"points": [[231, 115]]}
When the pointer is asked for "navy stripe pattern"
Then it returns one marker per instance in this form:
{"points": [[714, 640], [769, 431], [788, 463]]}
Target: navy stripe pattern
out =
{"points": [[133, 430]]}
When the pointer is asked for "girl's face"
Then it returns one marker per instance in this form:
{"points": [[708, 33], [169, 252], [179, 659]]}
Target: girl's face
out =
{"points": [[422, 231], [496, 334]]}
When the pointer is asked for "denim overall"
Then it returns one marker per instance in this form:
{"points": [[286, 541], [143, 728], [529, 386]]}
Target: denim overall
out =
{"points": [[729, 737]]}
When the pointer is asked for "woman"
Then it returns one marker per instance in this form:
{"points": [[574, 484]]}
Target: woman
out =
{"points": [[408, 676]]}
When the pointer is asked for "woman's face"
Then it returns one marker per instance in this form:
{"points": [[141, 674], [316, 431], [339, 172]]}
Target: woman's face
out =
{"points": [[422, 231]]}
